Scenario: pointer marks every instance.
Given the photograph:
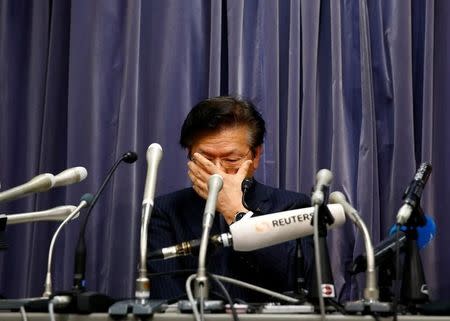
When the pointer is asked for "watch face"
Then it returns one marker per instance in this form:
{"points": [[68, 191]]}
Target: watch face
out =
{"points": [[238, 216]]}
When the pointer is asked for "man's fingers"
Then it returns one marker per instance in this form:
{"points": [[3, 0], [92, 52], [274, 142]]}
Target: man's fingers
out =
{"points": [[198, 184], [205, 164], [244, 169]]}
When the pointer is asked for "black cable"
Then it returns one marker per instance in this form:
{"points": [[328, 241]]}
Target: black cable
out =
{"points": [[227, 295], [397, 274], [336, 305], [246, 184], [175, 272]]}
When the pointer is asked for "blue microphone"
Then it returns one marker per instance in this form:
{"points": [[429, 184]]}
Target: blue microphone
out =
{"points": [[425, 234]]}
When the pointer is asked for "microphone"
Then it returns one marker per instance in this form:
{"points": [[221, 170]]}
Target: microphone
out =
{"points": [[323, 181], [425, 233], [70, 176], [39, 183], [413, 193], [385, 250], [256, 232], [79, 277], [245, 187], [215, 184], [86, 200], [191, 247], [371, 292], [266, 230], [55, 214], [141, 305], [154, 155]]}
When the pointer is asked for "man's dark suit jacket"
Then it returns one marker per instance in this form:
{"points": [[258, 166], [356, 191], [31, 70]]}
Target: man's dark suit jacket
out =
{"points": [[177, 217]]}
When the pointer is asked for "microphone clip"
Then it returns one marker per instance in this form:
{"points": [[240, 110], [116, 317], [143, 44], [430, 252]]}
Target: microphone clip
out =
{"points": [[325, 218], [417, 218]]}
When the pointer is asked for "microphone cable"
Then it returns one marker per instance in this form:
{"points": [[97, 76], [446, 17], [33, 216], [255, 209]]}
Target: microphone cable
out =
{"points": [[397, 274], [227, 295], [253, 287], [246, 184], [175, 272], [23, 313]]}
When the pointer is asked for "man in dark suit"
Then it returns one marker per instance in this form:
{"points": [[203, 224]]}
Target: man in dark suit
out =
{"points": [[224, 135]]}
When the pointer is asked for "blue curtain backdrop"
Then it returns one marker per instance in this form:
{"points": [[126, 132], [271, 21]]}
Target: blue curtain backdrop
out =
{"points": [[359, 87]]}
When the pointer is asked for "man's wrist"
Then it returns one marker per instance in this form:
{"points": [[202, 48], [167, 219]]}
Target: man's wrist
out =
{"points": [[240, 215]]}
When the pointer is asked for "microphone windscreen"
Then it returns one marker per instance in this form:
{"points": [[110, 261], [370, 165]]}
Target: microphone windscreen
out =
{"points": [[425, 234], [88, 198], [130, 157]]}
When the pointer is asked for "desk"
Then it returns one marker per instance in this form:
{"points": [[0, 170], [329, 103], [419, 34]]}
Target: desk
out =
{"points": [[15, 316]]}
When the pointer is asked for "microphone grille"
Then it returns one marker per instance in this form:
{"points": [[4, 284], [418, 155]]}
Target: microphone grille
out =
{"points": [[325, 176], [82, 172], [337, 198], [246, 184]]}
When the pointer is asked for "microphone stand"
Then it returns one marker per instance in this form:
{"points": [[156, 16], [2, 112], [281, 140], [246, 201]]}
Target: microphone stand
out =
{"points": [[3, 220], [215, 183], [141, 306], [299, 291], [386, 272], [414, 289], [324, 217]]}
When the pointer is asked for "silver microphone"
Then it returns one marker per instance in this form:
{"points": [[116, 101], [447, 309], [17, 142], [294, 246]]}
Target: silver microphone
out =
{"points": [[323, 182], [215, 183], [154, 155], [39, 183], [55, 214], [70, 176]]}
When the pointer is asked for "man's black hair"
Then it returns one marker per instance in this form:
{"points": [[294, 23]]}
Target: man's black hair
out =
{"points": [[221, 112]]}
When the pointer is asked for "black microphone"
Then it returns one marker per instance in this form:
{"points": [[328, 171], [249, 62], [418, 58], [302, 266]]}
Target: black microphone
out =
{"points": [[191, 247], [385, 251], [79, 281], [246, 185], [413, 193], [382, 252]]}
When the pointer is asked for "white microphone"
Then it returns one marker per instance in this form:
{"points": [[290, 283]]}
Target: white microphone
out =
{"points": [[154, 155], [70, 176], [266, 230], [371, 292], [323, 182], [86, 201], [55, 214], [39, 183]]}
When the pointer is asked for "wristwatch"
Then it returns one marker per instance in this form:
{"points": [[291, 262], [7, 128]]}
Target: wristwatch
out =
{"points": [[239, 215]]}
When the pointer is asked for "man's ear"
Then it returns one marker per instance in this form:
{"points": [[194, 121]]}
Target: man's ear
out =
{"points": [[257, 156]]}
